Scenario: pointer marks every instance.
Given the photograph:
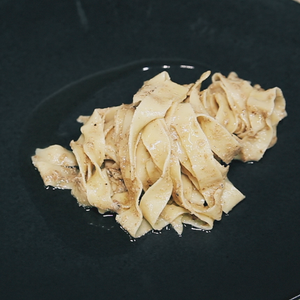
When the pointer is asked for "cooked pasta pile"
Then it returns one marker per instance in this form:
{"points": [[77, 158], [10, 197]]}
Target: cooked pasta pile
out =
{"points": [[164, 158]]}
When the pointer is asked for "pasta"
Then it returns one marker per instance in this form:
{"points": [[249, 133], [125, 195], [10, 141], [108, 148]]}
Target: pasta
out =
{"points": [[163, 159]]}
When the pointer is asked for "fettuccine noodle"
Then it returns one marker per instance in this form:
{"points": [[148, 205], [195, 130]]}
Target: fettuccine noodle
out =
{"points": [[163, 159]]}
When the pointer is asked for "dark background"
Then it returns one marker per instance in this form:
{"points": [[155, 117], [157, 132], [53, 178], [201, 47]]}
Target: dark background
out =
{"points": [[45, 45]]}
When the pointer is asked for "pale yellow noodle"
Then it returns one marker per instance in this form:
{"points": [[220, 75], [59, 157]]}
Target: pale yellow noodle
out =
{"points": [[163, 159]]}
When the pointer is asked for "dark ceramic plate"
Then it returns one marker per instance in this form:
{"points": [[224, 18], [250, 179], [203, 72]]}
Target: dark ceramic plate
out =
{"points": [[50, 248], [245, 249]]}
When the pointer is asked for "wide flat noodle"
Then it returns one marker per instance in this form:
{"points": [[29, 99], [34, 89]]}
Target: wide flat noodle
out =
{"points": [[156, 140], [163, 159], [154, 98], [203, 164], [248, 112], [57, 166], [131, 217], [225, 145]]}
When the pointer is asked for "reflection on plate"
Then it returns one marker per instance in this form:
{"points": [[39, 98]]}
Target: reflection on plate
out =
{"points": [[54, 122]]}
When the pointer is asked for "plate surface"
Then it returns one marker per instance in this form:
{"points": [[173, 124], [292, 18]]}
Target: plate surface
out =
{"points": [[238, 246], [51, 247]]}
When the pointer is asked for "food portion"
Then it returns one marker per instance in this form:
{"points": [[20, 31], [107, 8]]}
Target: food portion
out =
{"points": [[164, 158]]}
